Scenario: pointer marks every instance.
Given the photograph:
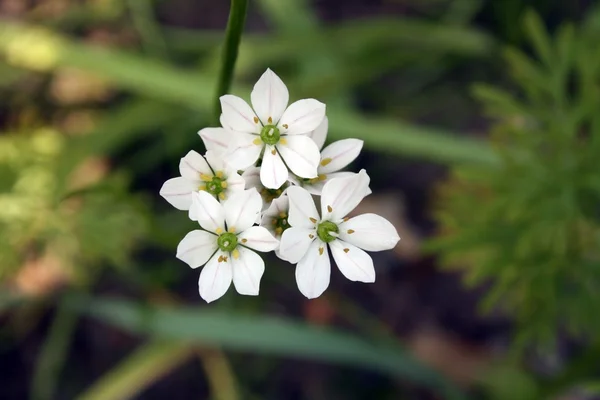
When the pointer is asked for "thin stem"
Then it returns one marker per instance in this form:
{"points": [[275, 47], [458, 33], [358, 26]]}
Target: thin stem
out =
{"points": [[233, 36]]}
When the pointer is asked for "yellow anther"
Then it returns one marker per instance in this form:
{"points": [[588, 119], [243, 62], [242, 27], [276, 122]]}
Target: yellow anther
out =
{"points": [[219, 174], [222, 259], [285, 126], [321, 250], [310, 235], [270, 120], [314, 221], [346, 219], [244, 240], [346, 250], [205, 177], [273, 152], [222, 196], [279, 230], [329, 209], [231, 229], [350, 231], [325, 161], [274, 222], [257, 141], [256, 120], [236, 254], [223, 184], [282, 141], [322, 177], [218, 231], [202, 187], [282, 215], [225, 258]]}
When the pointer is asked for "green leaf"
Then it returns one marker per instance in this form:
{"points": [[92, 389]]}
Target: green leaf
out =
{"points": [[264, 335], [539, 37]]}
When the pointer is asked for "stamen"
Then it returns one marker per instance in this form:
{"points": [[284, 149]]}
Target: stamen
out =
{"points": [[314, 221], [282, 215], [224, 184], [256, 120], [235, 254], [285, 126], [273, 152], [270, 120], [321, 250], [222, 196], [218, 231], [346, 219], [329, 209], [205, 177], [231, 229], [350, 231], [219, 174], [310, 235], [244, 240], [257, 141], [346, 250], [283, 141], [325, 161]]}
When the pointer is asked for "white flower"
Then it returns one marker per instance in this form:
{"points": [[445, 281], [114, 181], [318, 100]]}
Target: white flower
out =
{"points": [[215, 139], [201, 174], [252, 177], [224, 244], [278, 132], [306, 242], [333, 158], [275, 219]]}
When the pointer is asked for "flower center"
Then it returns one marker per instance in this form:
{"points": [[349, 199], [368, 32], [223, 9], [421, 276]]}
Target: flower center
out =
{"points": [[269, 195], [312, 181], [325, 230], [280, 223], [227, 241], [215, 185], [270, 134]]}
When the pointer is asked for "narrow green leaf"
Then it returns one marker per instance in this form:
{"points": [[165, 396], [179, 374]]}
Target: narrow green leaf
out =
{"points": [[539, 37], [139, 370], [264, 335]]}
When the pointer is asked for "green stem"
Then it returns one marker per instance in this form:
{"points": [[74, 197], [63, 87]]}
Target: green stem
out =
{"points": [[53, 354], [233, 36]]}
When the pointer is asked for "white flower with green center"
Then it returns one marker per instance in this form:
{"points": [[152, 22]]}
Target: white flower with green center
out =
{"points": [[198, 173], [307, 241], [226, 243], [252, 177], [272, 130], [275, 219]]}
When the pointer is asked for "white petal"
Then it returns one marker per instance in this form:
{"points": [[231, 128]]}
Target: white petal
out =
{"points": [[242, 210], [215, 277], [196, 248], [248, 268], [258, 238], [303, 213], [342, 195], [317, 187], [252, 178], [302, 117], [354, 263], [235, 183], [320, 133], [339, 154], [243, 151], [207, 211], [301, 155], [269, 97], [238, 115], [273, 172], [295, 242], [369, 232], [215, 160], [215, 139], [314, 270], [192, 165], [277, 206], [178, 192]]}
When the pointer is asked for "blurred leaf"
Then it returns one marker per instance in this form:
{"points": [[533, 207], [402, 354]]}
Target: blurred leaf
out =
{"points": [[139, 370], [539, 37], [262, 334]]}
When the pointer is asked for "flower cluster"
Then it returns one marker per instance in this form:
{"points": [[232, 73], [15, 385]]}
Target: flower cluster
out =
{"points": [[255, 190]]}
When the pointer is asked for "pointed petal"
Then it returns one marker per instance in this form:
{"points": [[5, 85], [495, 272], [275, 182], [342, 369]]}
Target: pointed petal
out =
{"points": [[317, 187], [301, 155], [235, 183], [243, 151], [354, 263], [342, 195], [370, 232], [215, 277], [215, 160], [248, 268], [192, 165], [295, 243], [207, 211], [273, 172], [252, 178], [314, 270], [215, 138], [339, 154], [238, 115], [196, 248], [258, 238], [178, 192], [242, 210], [303, 212], [269, 97], [320, 133], [302, 117]]}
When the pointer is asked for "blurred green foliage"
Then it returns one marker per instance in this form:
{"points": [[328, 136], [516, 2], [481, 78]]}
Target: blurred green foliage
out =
{"points": [[530, 225]]}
